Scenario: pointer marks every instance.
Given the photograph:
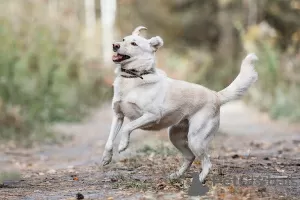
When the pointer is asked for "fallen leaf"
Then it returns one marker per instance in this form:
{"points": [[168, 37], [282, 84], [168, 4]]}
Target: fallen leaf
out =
{"points": [[79, 196], [197, 162], [221, 196], [279, 170], [235, 156], [124, 160], [231, 189], [161, 186], [113, 179]]}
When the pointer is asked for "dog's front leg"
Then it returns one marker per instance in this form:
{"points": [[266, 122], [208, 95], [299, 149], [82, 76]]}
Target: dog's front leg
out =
{"points": [[144, 120], [115, 128]]}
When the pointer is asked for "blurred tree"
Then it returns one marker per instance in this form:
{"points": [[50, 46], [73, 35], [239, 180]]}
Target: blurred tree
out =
{"points": [[284, 16], [53, 8], [108, 13], [193, 21], [90, 17]]}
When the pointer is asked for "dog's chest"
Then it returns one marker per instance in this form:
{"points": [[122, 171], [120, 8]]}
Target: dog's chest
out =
{"points": [[130, 110], [128, 101], [134, 100], [129, 106]]}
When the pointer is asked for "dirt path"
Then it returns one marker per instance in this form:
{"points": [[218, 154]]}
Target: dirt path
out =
{"points": [[247, 144]]}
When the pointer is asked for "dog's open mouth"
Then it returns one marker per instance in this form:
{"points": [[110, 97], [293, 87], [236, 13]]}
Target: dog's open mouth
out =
{"points": [[119, 57]]}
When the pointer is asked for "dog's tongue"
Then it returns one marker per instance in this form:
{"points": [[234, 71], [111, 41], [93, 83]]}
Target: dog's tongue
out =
{"points": [[117, 57]]}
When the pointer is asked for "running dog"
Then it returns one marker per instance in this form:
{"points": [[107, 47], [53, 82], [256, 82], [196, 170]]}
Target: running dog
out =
{"points": [[152, 101]]}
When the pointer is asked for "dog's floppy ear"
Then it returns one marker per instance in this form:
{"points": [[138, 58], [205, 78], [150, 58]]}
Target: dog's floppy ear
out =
{"points": [[156, 42]]}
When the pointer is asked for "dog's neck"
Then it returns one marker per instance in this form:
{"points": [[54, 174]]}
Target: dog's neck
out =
{"points": [[137, 69], [132, 73], [139, 64]]}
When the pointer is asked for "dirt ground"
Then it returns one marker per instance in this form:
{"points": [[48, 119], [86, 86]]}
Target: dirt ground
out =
{"points": [[248, 147]]}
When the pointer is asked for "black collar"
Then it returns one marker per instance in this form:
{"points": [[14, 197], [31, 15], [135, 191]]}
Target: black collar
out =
{"points": [[136, 74]]}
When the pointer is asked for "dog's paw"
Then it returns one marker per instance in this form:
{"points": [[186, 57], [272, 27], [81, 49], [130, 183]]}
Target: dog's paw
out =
{"points": [[174, 176], [105, 162], [202, 178], [107, 157], [122, 146]]}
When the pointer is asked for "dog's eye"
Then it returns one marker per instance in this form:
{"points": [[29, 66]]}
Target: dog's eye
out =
{"points": [[123, 40], [133, 43]]}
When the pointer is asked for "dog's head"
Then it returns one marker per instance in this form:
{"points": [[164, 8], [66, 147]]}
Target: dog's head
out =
{"points": [[134, 48]]}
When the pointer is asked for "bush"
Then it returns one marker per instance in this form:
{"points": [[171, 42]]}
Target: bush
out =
{"points": [[277, 90], [43, 77]]}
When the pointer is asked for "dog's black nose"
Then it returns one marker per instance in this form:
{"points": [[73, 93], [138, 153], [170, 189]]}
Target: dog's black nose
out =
{"points": [[116, 47]]}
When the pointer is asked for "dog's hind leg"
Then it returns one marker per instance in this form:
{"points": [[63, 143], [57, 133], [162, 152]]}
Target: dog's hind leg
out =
{"points": [[178, 136], [206, 165], [201, 130]]}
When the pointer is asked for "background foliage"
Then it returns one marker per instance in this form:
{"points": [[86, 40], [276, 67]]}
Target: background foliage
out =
{"points": [[49, 72], [44, 77]]}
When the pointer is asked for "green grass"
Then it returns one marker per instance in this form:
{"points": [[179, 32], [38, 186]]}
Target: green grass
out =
{"points": [[9, 176], [158, 149], [275, 92]]}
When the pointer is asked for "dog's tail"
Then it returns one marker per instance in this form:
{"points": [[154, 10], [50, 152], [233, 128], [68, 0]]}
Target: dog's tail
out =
{"points": [[242, 82]]}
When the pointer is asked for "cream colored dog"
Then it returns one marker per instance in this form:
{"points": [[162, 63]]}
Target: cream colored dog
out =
{"points": [[152, 101]]}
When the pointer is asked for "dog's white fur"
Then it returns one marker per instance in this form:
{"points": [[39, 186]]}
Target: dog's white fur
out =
{"points": [[155, 102]]}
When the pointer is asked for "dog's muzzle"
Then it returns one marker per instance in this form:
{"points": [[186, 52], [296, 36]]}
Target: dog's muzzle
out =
{"points": [[116, 47]]}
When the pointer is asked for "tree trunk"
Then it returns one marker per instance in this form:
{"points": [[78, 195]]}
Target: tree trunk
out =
{"points": [[90, 17], [108, 13]]}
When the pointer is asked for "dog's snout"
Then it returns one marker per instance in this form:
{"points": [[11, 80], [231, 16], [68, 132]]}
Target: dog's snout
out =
{"points": [[116, 47]]}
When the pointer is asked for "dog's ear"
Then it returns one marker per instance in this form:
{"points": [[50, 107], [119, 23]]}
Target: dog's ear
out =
{"points": [[156, 42]]}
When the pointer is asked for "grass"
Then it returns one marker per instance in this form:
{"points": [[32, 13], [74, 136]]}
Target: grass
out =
{"points": [[9, 176], [277, 91], [161, 149], [130, 183]]}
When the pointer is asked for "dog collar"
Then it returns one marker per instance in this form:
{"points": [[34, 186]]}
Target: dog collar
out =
{"points": [[136, 74]]}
